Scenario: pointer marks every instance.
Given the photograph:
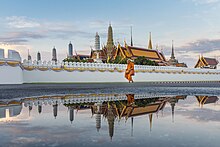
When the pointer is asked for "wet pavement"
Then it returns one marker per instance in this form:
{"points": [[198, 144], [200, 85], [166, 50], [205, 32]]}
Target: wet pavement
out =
{"points": [[118, 114]]}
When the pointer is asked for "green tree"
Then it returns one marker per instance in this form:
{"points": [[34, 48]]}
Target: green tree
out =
{"points": [[144, 61]]}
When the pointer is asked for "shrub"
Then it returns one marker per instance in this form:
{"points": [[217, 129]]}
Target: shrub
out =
{"points": [[144, 61]]}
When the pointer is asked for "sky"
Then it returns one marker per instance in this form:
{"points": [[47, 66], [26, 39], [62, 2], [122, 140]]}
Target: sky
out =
{"points": [[39, 25]]}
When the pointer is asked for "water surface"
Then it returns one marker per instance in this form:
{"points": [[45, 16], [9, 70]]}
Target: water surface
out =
{"points": [[111, 119]]}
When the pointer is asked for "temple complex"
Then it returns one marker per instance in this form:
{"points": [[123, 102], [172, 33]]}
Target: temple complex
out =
{"points": [[107, 52], [205, 62], [134, 52], [111, 52]]}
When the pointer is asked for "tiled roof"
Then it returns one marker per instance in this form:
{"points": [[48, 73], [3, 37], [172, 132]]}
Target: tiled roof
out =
{"points": [[211, 61], [148, 53]]}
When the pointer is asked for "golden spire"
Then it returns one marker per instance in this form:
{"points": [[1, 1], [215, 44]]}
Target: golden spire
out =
{"points": [[125, 43], [150, 42]]}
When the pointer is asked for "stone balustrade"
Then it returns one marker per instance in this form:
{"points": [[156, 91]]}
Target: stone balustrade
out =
{"points": [[88, 98], [52, 65]]}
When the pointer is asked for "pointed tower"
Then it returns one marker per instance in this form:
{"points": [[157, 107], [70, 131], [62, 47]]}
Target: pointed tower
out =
{"points": [[151, 120], [39, 108], [38, 56], [173, 102], [132, 126], [54, 54], [131, 37], [55, 108], [110, 44], [150, 42], [172, 60], [98, 116], [71, 109], [97, 41], [172, 54], [111, 119], [29, 56], [70, 55], [30, 108]]}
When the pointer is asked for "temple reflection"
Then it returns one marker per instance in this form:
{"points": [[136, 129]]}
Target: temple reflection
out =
{"points": [[206, 100], [110, 107], [10, 109]]}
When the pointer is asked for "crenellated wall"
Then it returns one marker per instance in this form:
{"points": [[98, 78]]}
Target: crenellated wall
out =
{"points": [[12, 71]]}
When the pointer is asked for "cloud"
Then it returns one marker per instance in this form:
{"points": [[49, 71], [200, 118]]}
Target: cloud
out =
{"points": [[199, 2], [22, 22], [22, 29], [202, 46], [190, 52], [20, 37]]}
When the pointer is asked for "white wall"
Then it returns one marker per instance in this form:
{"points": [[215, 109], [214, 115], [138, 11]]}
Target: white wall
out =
{"points": [[37, 76], [166, 77], [11, 75]]}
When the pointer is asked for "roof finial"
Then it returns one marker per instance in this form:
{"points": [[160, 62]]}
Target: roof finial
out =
{"points": [[125, 42]]}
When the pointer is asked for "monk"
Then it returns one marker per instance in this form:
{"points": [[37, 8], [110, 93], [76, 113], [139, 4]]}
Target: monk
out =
{"points": [[129, 71], [130, 99]]}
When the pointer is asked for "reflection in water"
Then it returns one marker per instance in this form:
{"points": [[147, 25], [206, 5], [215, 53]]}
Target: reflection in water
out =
{"points": [[206, 100], [109, 107], [10, 109]]}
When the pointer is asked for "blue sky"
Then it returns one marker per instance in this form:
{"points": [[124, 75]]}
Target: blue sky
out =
{"points": [[194, 25]]}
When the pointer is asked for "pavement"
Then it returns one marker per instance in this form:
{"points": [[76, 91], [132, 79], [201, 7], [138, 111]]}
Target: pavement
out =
{"points": [[27, 90]]}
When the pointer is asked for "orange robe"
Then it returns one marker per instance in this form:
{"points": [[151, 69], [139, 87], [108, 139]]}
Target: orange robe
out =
{"points": [[130, 98], [129, 71]]}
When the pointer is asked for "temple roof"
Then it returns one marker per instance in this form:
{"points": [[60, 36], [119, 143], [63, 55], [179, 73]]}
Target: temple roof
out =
{"points": [[131, 51], [204, 61], [211, 61], [207, 99]]}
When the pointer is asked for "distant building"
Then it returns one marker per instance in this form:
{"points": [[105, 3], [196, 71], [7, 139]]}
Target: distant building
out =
{"points": [[95, 54], [55, 108], [134, 52], [205, 62], [97, 41], [70, 55], [54, 54], [71, 113], [108, 51], [173, 61], [38, 56], [29, 56]]}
